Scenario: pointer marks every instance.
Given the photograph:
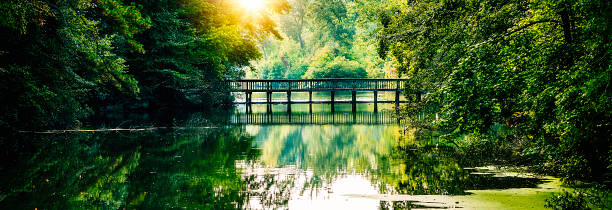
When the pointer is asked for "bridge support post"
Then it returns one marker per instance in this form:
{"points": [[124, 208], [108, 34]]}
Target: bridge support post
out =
{"points": [[333, 100], [269, 101], [310, 96], [375, 101], [310, 100], [397, 93], [249, 96], [354, 101], [397, 98], [289, 101], [289, 97]]}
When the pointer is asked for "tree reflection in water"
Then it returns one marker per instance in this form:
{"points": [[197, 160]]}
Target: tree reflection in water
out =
{"points": [[229, 167], [314, 156], [184, 168]]}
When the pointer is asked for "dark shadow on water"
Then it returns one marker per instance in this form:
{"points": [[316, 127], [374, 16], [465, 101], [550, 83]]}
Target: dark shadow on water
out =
{"points": [[484, 180]]}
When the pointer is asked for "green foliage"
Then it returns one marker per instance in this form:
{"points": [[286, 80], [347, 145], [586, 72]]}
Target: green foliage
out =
{"points": [[61, 60], [326, 65], [274, 70], [56, 54], [541, 68], [315, 27], [17, 15], [333, 17], [30, 100], [590, 198], [285, 62]]}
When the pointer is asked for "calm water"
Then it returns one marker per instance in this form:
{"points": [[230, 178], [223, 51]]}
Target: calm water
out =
{"points": [[296, 160]]}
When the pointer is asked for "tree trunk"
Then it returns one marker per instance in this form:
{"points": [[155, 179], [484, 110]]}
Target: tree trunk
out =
{"points": [[567, 34], [567, 26]]}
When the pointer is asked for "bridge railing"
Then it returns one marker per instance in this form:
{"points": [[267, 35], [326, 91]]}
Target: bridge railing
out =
{"points": [[297, 85]]}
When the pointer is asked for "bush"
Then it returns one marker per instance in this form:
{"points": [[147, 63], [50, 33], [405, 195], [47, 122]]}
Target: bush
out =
{"points": [[579, 199], [340, 67]]}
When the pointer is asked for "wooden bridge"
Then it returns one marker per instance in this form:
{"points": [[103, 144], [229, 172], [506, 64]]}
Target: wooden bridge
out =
{"points": [[270, 86]]}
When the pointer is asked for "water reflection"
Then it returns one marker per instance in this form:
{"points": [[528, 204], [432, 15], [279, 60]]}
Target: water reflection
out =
{"points": [[315, 118], [309, 161], [186, 168], [391, 161], [210, 162]]}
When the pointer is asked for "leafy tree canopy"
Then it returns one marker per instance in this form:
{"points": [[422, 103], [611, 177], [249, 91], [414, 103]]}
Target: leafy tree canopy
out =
{"points": [[540, 67], [62, 60]]}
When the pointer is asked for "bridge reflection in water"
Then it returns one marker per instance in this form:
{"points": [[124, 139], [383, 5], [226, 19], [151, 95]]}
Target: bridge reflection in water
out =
{"points": [[316, 118]]}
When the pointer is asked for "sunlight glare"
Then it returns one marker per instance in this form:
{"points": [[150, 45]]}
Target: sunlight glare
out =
{"points": [[252, 5]]}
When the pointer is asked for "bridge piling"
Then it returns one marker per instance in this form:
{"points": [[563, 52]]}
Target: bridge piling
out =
{"points": [[332, 101], [248, 107], [269, 101], [397, 94], [288, 97], [310, 96], [375, 101], [354, 100], [397, 97], [248, 97]]}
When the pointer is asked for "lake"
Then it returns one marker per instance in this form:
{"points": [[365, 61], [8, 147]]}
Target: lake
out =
{"points": [[309, 158]]}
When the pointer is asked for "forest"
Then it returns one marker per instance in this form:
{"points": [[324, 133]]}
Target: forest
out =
{"points": [[520, 82], [63, 61]]}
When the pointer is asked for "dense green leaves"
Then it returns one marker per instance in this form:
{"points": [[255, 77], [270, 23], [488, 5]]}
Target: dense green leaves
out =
{"points": [[192, 168], [325, 65], [339, 31], [62, 60], [539, 67], [55, 54]]}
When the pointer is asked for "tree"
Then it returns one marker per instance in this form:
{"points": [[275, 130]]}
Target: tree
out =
{"points": [[331, 21], [539, 67], [344, 27], [61, 61], [54, 54], [294, 23]]}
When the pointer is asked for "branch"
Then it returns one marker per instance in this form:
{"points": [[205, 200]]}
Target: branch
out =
{"points": [[514, 31], [58, 11], [528, 25]]}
